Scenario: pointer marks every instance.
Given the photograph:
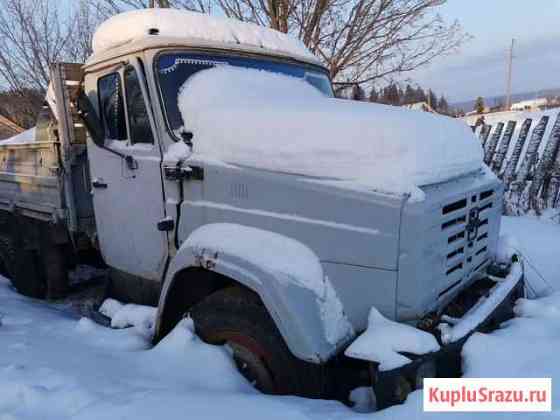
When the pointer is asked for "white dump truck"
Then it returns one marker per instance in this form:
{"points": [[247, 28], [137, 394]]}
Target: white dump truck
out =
{"points": [[208, 165]]}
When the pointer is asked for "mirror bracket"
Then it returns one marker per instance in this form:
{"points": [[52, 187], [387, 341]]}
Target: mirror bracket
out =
{"points": [[87, 113]]}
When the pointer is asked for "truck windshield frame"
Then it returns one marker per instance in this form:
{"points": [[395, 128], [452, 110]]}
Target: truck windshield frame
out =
{"points": [[173, 68]]}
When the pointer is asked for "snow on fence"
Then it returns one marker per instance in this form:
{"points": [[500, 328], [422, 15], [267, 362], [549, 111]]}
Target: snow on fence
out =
{"points": [[523, 149]]}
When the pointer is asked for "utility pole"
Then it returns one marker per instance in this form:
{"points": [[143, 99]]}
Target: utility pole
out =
{"points": [[508, 87], [160, 3]]}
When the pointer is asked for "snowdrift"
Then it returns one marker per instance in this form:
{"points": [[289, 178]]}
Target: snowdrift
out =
{"points": [[280, 123]]}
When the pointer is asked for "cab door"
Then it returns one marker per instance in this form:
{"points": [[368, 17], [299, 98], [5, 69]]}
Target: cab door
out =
{"points": [[126, 177]]}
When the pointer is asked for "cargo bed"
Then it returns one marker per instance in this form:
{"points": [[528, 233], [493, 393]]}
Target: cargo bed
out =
{"points": [[29, 179], [47, 178]]}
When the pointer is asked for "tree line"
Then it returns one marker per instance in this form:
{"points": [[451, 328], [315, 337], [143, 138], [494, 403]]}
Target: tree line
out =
{"points": [[395, 94]]}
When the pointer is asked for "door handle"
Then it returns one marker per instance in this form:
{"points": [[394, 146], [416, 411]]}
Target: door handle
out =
{"points": [[179, 173], [99, 183]]}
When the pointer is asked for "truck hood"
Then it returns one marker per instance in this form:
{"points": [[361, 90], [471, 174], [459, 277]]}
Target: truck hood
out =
{"points": [[281, 123]]}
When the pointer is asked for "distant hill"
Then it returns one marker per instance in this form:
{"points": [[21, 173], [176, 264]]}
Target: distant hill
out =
{"points": [[517, 97]]}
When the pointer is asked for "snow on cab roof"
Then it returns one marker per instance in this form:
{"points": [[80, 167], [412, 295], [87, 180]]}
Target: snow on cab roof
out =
{"points": [[136, 25]]}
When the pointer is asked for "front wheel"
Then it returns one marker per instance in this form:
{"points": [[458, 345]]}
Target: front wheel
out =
{"points": [[237, 317]]}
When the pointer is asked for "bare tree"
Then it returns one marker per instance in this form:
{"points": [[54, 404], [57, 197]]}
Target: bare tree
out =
{"points": [[111, 7], [34, 34], [360, 41]]}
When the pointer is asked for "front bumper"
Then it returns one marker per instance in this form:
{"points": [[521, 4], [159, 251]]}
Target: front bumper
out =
{"points": [[484, 308], [487, 313]]}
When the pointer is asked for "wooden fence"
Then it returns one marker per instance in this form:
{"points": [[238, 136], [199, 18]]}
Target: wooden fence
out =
{"points": [[523, 150]]}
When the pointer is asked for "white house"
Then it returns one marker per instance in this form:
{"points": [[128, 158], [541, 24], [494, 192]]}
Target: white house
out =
{"points": [[530, 105]]}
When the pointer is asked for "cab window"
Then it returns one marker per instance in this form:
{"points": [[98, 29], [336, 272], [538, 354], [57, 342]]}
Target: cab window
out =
{"points": [[138, 120], [111, 106]]}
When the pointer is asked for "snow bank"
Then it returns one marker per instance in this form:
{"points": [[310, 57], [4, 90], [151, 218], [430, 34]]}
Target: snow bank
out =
{"points": [[384, 339], [191, 26], [547, 307], [218, 367], [130, 315], [103, 338], [276, 122], [537, 243], [531, 340], [27, 136]]}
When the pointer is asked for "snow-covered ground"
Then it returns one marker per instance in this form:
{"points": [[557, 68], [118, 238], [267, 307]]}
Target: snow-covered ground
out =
{"points": [[539, 242], [54, 365]]}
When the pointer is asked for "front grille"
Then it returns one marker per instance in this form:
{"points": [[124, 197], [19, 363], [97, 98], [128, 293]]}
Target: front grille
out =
{"points": [[466, 224]]}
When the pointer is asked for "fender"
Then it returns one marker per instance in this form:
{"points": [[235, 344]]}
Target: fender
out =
{"points": [[285, 273]]}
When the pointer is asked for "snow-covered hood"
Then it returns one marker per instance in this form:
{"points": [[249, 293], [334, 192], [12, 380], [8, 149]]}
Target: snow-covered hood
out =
{"points": [[275, 122]]}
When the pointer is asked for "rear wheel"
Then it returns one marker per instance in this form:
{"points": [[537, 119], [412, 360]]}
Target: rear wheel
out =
{"points": [[237, 317], [54, 267], [19, 265], [7, 257]]}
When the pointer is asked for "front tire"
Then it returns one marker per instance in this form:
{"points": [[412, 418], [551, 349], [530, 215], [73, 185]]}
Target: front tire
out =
{"points": [[237, 317]]}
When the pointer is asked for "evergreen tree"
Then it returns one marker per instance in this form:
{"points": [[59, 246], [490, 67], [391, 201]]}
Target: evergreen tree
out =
{"points": [[392, 96], [420, 95], [401, 95], [384, 96], [479, 105], [442, 105], [373, 95], [409, 95], [358, 94], [432, 99]]}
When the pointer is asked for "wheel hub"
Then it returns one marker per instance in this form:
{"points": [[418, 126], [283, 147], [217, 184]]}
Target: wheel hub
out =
{"points": [[253, 368]]}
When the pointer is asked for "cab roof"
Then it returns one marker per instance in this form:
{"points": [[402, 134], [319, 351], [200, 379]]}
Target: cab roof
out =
{"points": [[149, 42], [144, 29]]}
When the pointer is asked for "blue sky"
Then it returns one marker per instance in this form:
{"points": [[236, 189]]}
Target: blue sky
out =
{"points": [[480, 67]]}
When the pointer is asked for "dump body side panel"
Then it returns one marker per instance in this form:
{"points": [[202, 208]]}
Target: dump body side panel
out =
{"points": [[29, 179]]}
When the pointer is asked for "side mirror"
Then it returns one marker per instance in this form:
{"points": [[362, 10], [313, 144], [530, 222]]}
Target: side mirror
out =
{"points": [[92, 122]]}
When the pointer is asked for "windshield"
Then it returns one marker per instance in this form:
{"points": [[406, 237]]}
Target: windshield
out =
{"points": [[174, 69]]}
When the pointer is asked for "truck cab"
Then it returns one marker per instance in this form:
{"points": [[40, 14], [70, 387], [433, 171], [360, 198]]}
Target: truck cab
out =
{"points": [[134, 90]]}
